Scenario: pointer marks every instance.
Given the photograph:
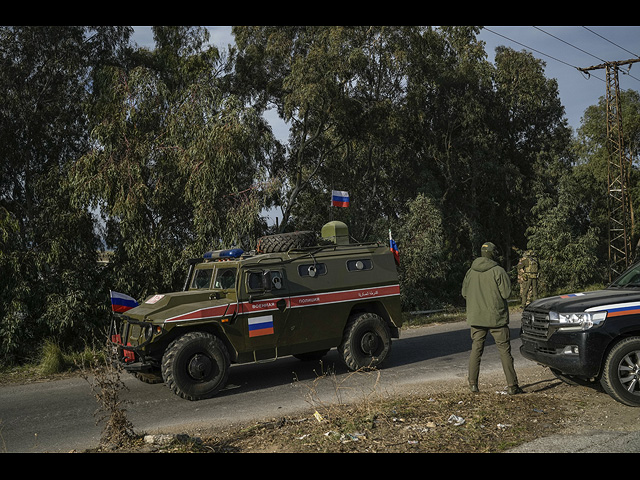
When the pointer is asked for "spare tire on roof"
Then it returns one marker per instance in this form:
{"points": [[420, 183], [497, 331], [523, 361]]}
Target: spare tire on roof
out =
{"points": [[283, 242]]}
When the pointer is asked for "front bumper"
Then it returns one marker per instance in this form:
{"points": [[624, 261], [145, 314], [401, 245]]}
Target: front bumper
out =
{"points": [[131, 357], [577, 354]]}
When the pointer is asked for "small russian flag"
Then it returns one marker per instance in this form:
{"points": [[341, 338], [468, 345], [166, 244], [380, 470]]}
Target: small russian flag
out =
{"points": [[339, 198], [259, 326], [121, 302], [393, 246]]}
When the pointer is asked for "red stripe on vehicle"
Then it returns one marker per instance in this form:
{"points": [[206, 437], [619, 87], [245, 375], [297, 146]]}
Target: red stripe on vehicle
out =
{"points": [[298, 301]]}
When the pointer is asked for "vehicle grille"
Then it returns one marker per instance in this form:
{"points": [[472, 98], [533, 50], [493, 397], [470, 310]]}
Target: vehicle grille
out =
{"points": [[535, 324]]}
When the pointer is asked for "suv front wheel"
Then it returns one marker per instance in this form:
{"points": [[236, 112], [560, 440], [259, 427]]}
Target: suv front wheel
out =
{"points": [[366, 342], [621, 373]]}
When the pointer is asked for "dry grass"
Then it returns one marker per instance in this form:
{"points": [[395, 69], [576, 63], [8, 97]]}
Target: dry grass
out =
{"points": [[443, 422], [431, 420]]}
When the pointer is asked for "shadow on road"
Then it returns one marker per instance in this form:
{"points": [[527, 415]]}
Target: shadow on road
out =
{"points": [[425, 346]]}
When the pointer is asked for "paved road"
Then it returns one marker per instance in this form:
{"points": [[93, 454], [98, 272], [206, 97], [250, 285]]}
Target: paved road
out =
{"points": [[588, 442], [59, 416]]}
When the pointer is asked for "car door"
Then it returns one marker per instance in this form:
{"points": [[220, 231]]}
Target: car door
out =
{"points": [[266, 312]]}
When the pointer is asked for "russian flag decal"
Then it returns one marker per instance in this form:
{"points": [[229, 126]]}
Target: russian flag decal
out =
{"points": [[259, 326]]}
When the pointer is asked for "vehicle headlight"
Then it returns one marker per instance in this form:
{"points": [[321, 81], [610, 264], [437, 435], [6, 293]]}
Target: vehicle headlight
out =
{"points": [[577, 321]]}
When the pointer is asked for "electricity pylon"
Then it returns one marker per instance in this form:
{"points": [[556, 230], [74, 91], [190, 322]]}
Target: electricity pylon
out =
{"points": [[619, 168]]}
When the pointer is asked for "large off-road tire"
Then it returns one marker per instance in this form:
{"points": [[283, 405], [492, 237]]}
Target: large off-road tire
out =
{"points": [[283, 242], [196, 365], [621, 373], [366, 342]]}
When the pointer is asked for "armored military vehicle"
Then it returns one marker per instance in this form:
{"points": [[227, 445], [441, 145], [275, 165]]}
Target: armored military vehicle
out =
{"points": [[295, 295]]}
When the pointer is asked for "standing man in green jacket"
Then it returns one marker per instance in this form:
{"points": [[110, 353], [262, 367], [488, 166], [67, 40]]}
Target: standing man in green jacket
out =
{"points": [[486, 288]]}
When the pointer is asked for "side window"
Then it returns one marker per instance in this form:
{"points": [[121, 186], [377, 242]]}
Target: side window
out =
{"points": [[359, 265], [225, 278], [312, 269], [254, 281], [265, 281], [202, 278]]}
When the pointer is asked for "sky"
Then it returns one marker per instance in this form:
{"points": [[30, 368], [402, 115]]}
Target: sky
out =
{"points": [[564, 49]]}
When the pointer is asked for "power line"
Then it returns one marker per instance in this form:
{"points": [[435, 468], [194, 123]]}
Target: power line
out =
{"points": [[584, 51], [567, 43], [526, 46], [612, 43], [537, 51]]}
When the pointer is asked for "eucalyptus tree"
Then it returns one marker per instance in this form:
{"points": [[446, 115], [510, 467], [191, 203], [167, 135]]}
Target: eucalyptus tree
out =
{"points": [[47, 245], [449, 138], [484, 142], [536, 139], [340, 90], [174, 162], [559, 200]]}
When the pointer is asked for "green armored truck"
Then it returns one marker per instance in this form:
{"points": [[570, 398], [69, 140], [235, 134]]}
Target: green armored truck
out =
{"points": [[293, 295]]}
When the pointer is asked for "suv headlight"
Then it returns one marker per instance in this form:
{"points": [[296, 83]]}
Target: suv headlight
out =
{"points": [[577, 321]]}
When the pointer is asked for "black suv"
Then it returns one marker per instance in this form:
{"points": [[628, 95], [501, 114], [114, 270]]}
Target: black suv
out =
{"points": [[590, 337]]}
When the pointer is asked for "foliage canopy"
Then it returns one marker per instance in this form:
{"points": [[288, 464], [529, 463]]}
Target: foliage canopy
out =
{"points": [[158, 155]]}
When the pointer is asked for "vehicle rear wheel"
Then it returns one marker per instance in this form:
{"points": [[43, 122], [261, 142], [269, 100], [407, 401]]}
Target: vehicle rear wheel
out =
{"points": [[621, 373], [366, 342], [195, 366]]}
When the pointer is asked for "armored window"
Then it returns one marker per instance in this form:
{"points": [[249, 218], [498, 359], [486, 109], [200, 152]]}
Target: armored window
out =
{"points": [[202, 278], [265, 281], [255, 281], [225, 278], [359, 265], [312, 269]]}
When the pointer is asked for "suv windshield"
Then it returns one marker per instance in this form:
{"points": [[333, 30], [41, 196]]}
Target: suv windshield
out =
{"points": [[630, 278]]}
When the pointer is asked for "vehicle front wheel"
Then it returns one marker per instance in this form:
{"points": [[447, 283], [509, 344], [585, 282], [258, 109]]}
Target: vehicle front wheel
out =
{"points": [[366, 342], [196, 365], [621, 373]]}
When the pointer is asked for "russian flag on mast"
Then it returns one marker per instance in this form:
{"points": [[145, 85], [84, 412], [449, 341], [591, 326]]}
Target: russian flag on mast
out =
{"points": [[121, 302], [339, 198], [393, 246]]}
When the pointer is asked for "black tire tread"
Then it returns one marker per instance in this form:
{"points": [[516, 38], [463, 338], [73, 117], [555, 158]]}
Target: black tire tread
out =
{"points": [[283, 242], [175, 347]]}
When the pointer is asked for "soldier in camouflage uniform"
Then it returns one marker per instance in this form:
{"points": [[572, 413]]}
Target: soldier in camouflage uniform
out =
{"points": [[528, 278]]}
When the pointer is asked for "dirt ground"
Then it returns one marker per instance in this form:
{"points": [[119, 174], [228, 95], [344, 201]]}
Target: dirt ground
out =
{"points": [[435, 417]]}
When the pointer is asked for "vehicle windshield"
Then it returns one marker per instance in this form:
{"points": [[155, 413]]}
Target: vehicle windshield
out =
{"points": [[630, 278], [225, 278], [202, 278]]}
